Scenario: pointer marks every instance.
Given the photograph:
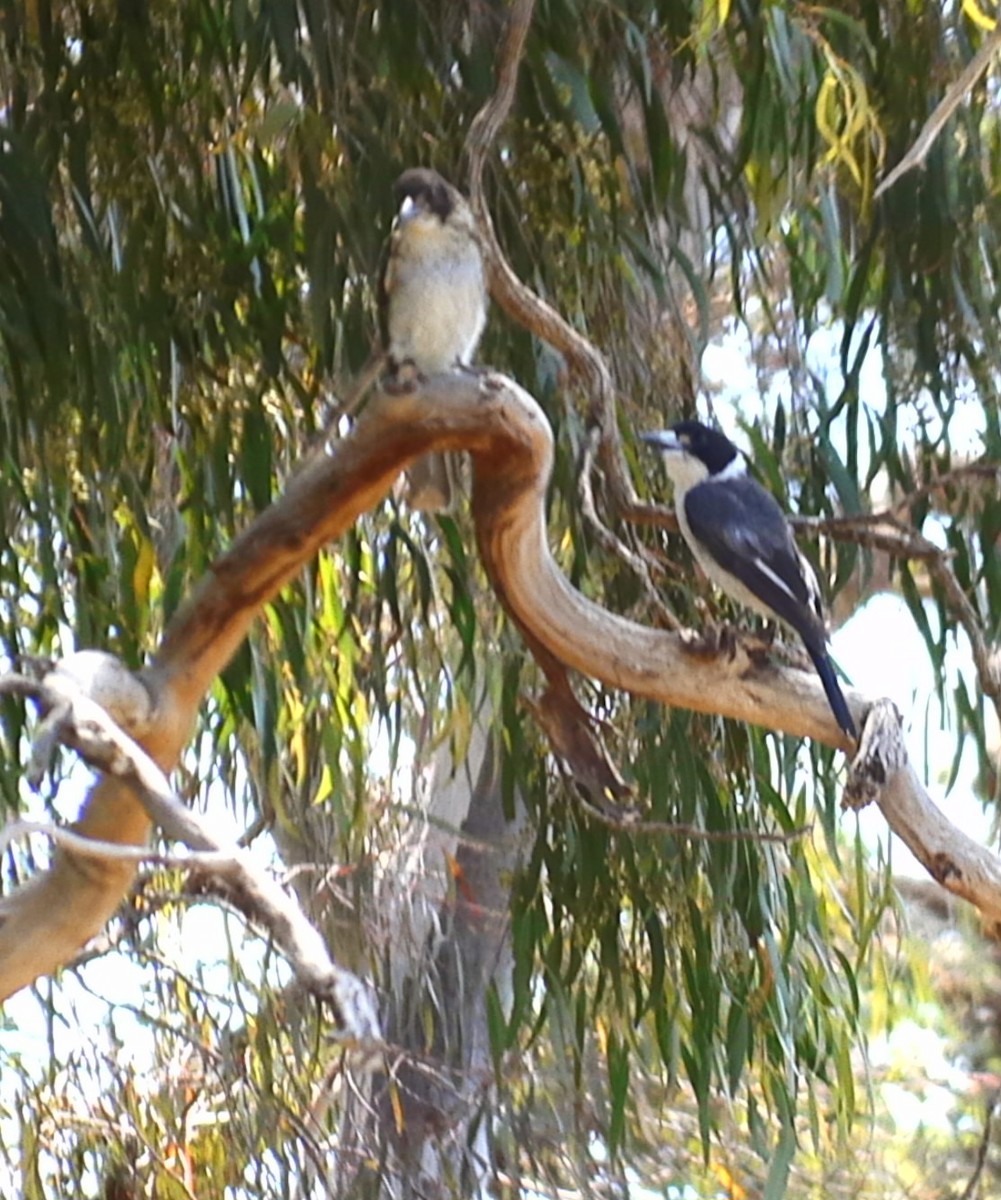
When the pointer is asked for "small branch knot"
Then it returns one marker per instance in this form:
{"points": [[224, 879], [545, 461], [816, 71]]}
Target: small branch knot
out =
{"points": [[880, 755]]}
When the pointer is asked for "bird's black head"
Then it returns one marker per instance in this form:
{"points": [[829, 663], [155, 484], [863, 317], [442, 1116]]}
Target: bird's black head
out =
{"points": [[427, 189], [714, 448], [693, 440]]}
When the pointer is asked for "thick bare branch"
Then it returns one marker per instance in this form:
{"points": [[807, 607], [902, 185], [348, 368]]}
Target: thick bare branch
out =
{"points": [[883, 774], [86, 726], [45, 922]]}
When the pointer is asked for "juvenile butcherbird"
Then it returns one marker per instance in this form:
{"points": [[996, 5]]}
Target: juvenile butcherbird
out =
{"points": [[741, 539], [433, 301]]}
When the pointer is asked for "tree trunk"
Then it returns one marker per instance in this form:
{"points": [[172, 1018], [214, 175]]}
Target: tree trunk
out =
{"points": [[429, 1121]]}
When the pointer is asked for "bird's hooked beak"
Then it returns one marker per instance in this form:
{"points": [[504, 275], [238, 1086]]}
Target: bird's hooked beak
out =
{"points": [[665, 440], [408, 208]]}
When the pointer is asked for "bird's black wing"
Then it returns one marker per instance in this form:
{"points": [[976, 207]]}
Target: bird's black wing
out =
{"points": [[743, 528]]}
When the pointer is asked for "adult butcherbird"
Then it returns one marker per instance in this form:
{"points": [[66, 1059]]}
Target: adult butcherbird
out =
{"points": [[433, 302], [741, 539]]}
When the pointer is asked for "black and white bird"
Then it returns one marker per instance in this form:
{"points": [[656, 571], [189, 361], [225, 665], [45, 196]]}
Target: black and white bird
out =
{"points": [[433, 301], [741, 539]]}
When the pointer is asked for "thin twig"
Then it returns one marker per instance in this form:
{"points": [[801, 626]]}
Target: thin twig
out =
{"points": [[985, 1140], [518, 300], [877, 531], [88, 847], [530, 310], [658, 515], [915, 157], [977, 470], [608, 539], [635, 825], [985, 655]]}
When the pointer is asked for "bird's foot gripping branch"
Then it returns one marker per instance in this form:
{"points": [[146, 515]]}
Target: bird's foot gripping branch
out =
{"points": [[742, 540]]}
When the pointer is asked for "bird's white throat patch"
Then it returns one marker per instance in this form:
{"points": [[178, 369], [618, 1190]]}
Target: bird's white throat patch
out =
{"points": [[686, 470], [736, 468]]}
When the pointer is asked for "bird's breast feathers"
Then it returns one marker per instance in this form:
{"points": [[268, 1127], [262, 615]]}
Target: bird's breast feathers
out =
{"points": [[436, 296]]}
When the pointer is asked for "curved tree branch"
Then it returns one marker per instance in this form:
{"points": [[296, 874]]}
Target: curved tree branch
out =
{"points": [[883, 774], [77, 720], [518, 300], [45, 922]]}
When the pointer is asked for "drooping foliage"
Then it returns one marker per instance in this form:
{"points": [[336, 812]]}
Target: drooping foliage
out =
{"points": [[193, 202]]}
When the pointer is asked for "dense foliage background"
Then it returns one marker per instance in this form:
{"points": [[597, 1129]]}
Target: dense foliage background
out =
{"points": [[193, 202]]}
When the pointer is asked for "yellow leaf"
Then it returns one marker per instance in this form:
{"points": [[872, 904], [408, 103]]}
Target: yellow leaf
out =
{"points": [[325, 787], [844, 116], [397, 1108], [142, 573], [601, 1029], [729, 1183], [978, 16], [711, 19]]}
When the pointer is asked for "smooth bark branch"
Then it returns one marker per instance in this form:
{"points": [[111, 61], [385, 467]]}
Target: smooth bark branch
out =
{"points": [[44, 923], [553, 615], [883, 774], [83, 724]]}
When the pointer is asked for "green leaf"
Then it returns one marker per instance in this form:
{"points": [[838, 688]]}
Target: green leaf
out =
{"points": [[778, 1171], [618, 1090], [738, 1043]]}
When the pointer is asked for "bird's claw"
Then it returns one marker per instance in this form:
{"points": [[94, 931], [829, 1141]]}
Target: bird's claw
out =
{"points": [[712, 642], [402, 378]]}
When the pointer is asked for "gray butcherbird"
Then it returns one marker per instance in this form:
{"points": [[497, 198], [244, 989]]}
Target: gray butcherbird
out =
{"points": [[741, 539], [433, 301]]}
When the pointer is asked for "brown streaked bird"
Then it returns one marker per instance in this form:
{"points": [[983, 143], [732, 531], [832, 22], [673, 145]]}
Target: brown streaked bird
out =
{"points": [[433, 303]]}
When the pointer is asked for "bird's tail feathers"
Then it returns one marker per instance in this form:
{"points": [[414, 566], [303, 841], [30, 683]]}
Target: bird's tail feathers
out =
{"points": [[832, 688]]}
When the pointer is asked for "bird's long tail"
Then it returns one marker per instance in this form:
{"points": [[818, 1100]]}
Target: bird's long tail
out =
{"points": [[835, 697]]}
